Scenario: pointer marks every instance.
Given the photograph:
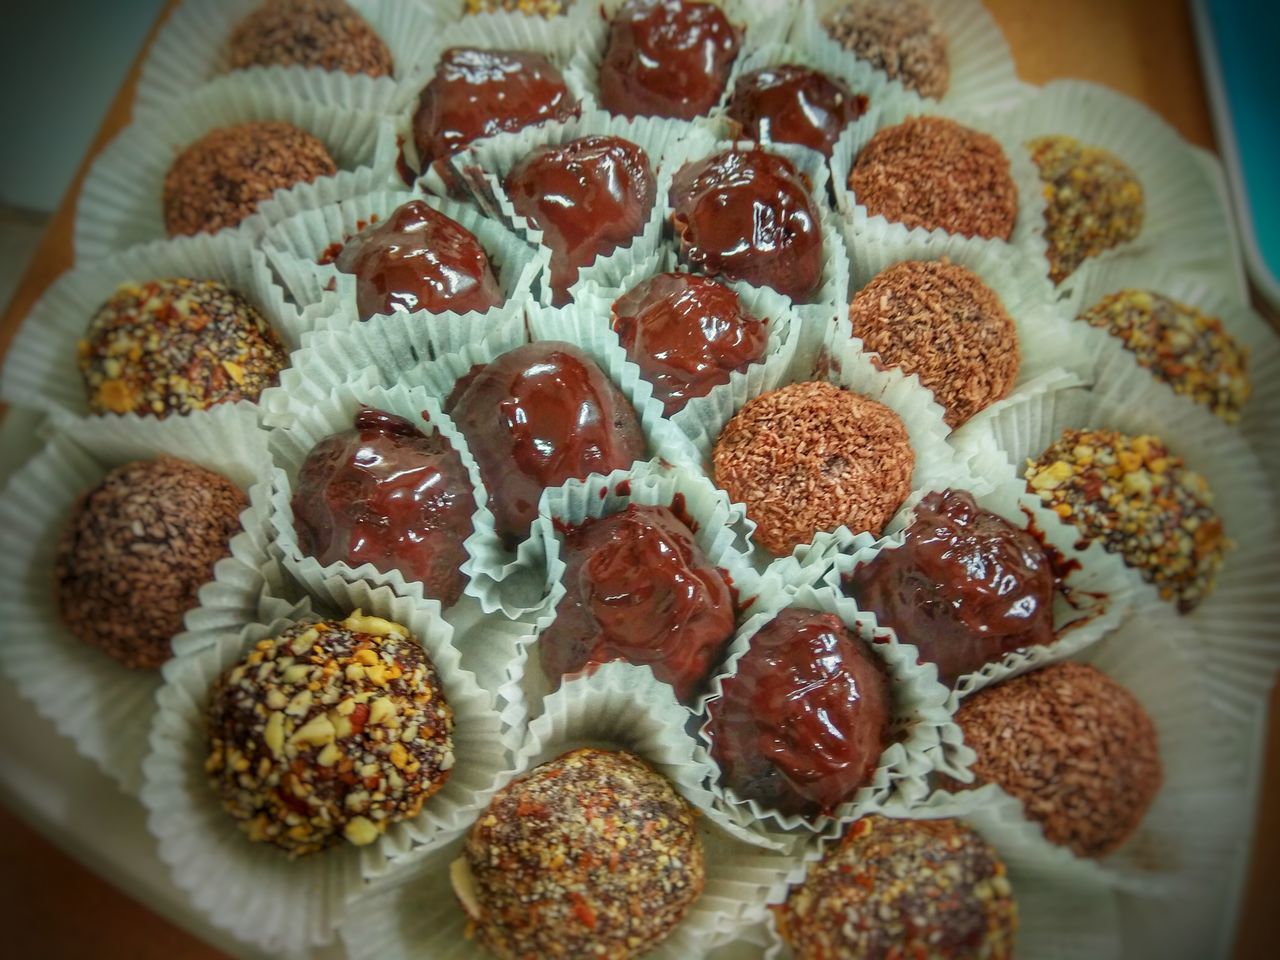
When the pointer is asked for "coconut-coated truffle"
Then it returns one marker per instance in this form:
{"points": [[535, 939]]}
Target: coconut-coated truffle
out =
{"points": [[900, 37], [327, 34]]}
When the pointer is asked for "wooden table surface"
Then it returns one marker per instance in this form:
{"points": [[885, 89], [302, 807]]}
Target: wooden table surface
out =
{"points": [[58, 909]]}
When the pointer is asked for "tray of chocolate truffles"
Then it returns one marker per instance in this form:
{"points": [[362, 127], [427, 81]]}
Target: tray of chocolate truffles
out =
{"points": [[667, 478]]}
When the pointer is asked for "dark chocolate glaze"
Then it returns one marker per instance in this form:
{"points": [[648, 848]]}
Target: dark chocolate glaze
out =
{"points": [[794, 104], [385, 493]]}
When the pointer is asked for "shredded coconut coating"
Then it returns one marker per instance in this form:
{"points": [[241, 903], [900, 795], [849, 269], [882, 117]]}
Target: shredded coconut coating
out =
{"points": [[931, 172], [939, 321], [136, 549], [327, 34], [1139, 501], [1093, 201], [221, 178], [900, 37], [331, 731], [812, 457], [590, 855], [1187, 349], [542, 8], [173, 346], [1074, 746], [896, 889]]}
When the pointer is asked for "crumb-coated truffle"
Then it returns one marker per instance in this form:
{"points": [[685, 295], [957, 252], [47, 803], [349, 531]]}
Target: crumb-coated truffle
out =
{"points": [[903, 888], [1140, 501], [1186, 348], [1074, 746], [592, 854], [134, 551], [327, 34], [932, 173], [802, 721], [220, 179], [639, 588], [938, 320], [542, 8], [385, 493], [1093, 201], [331, 731], [173, 346], [790, 103], [811, 457], [900, 37]]}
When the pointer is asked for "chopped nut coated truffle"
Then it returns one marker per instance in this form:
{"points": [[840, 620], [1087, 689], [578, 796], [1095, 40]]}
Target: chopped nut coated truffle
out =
{"points": [[327, 34]]}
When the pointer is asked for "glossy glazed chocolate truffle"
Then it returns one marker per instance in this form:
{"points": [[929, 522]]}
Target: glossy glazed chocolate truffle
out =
{"points": [[791, 103], [419, 259], [812, 457], [588, 197], [801, 725], [387, 494], [639, 588], [667, 58], [477, 93], [134, 551], [966, 587], [939, 321], [173, 346], [748, 215], [900, 37], [537, 416], [932, 173], [327, 34], [220, 179], [903, 888], [1074, 746], [592, 854], [687, 334]]}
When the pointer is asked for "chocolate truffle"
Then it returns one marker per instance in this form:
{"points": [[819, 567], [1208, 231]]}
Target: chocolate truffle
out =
{"points": [[1140, 501], [136, 549], [812, 457], [903, 888], [174, 346], [748, 215], [639, 588], [478, 93], [331, 731], [221, 178], [667, 58], [537, 416], [790, 103], [1186, 348], [1074, 746], [327, 34], [932, 173], [419, 259], [801, 724], [1093, 201], [900, 37], [687, 334], [387, 494], [592, 854], [542, 8], [939, 321], [966, 587], [588, 197]]}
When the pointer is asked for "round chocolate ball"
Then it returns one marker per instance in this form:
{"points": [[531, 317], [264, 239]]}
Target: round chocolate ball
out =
{"points": [[327, 34], [900, 37], [790, 103]]}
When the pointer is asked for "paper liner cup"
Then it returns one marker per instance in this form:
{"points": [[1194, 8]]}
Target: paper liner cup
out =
{"points": [[103, 707], [121, 201], [191, 49]]}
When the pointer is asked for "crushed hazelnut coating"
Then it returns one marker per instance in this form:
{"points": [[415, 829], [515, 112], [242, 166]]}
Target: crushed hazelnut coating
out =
{"points": [[1187, 349], [592, 854], [938, 320], [900, 37], [327, 34], [932, 173], [221, 178], [136, 549], [1074, 746], [333, 730], [174, 346], [812, 457], [543, 8], [897, 889], [1093, 201], [1137, 499]]}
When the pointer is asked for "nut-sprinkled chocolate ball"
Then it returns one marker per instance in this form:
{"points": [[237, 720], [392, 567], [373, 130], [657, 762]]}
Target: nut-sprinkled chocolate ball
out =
{"points": [[900, 37], [327, 34]]}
